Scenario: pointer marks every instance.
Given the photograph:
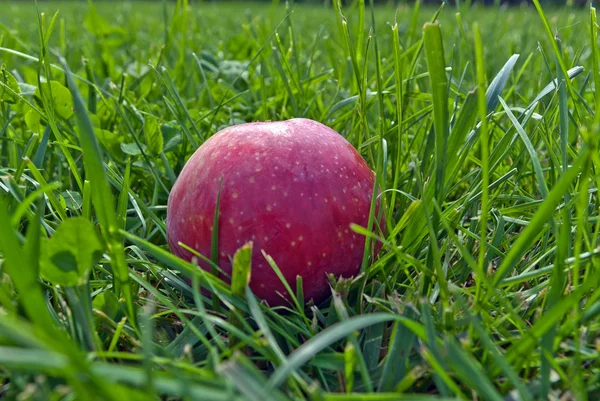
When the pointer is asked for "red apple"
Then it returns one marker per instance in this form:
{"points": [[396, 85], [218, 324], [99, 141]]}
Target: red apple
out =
{"points": [[292, 188]]}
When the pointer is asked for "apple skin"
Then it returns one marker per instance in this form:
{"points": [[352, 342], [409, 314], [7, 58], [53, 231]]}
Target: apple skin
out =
{"points": [[292, 188]]}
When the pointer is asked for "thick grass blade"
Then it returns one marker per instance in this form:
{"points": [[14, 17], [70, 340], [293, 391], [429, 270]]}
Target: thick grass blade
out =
{"points": [[497, 85], [595, 60], [535, 160], [485, 144], [102, 198], [572, 73], [434, 52], [463, 136]]}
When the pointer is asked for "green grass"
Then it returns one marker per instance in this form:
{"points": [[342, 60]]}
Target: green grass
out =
{"points": [[488, 283]]}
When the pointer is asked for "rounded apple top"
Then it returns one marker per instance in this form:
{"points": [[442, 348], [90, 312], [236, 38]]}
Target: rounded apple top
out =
{"points": [[292, 188]]}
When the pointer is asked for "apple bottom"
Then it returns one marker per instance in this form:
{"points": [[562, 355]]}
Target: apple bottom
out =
{"points": [[266, 285]]}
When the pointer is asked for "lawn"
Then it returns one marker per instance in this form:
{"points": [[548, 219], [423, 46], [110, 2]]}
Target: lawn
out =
{"points": [[481, 125]]}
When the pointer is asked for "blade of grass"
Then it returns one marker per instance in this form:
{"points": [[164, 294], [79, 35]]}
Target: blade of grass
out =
{"points": [[102, 197]]}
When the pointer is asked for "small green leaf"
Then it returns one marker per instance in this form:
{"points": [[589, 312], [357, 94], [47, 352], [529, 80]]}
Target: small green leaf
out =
{"points": [[171, 135], [9, 85], [101, 28], [73, 199], [107, 302], [153, 136], [33, 121], [61, 98], [68, 256], [131, 149], [26, 89], [110, 142]]}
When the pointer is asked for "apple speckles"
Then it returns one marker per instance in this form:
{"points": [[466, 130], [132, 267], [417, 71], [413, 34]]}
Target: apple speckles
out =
{"points": [[288, 225], [293, 243], [235, 195], [300, 238], [231, 221], [252, 180], [269, 208], [273, 187]]}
